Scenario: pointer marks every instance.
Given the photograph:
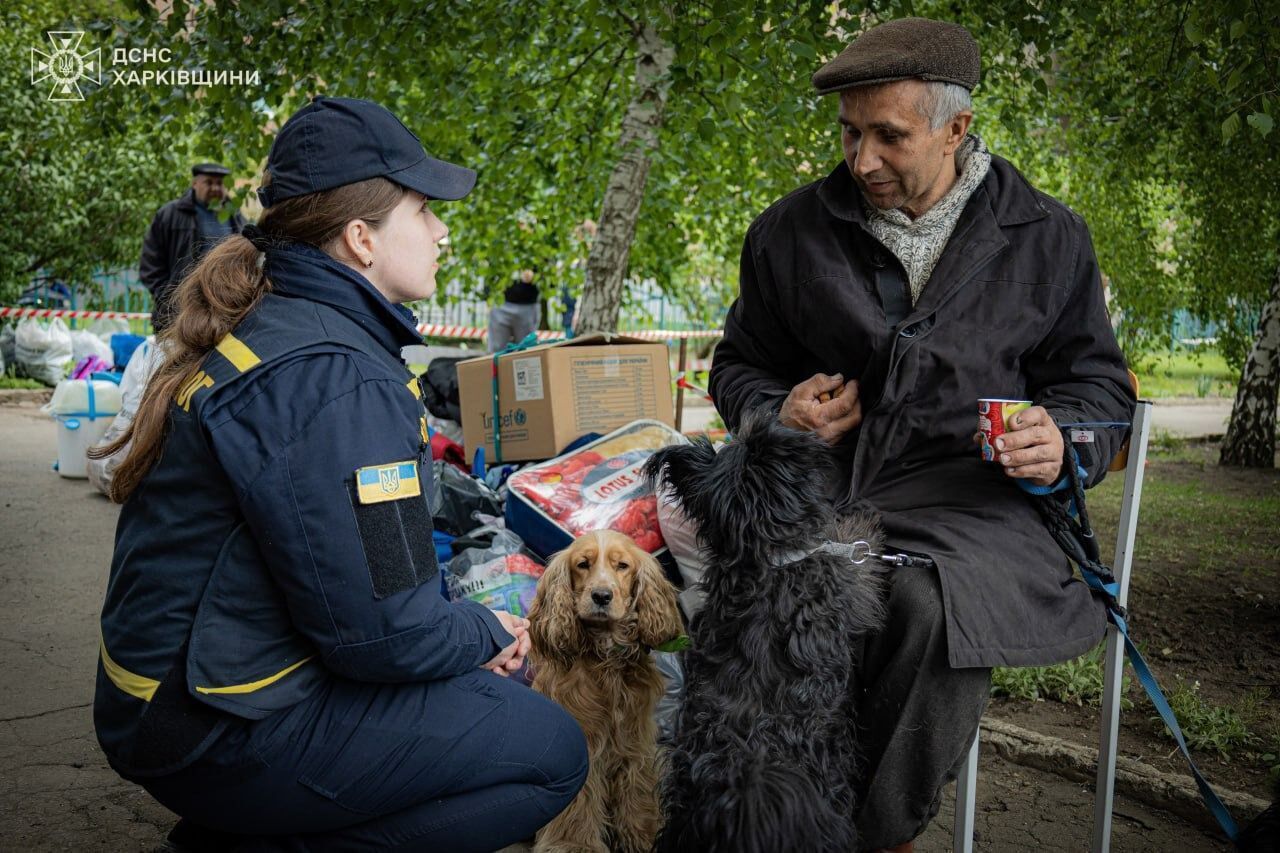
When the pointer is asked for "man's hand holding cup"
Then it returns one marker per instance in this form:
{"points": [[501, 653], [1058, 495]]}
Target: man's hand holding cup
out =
{"points": [[1023, 438]]}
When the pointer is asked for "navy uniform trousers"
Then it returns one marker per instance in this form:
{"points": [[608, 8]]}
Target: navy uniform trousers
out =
{"points": [[469, 763]]}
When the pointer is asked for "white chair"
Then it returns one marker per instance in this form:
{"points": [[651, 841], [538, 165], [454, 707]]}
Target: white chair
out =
{"points": [[1113, 661]]}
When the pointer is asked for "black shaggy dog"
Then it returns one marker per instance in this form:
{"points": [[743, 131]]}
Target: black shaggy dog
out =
{"points": [[764, 753], [1262, 834]]}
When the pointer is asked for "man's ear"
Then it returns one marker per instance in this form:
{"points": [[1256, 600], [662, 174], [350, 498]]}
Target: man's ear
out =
{"points": [[957, 130]]}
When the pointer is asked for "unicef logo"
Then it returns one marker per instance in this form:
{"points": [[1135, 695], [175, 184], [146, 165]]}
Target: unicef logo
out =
{"points": [[66, 65], [520, 417]]}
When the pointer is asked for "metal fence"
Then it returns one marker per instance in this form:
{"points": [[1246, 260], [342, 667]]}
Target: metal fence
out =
{"points": [[645, 307]]}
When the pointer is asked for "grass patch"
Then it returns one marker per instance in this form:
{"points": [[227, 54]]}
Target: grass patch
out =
{"points": [[1206, 726], [1187, 372], [1078, 681], [8, 380], [1199, 520]]}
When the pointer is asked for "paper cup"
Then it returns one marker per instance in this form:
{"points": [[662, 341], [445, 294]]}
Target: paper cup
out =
{"points": [[993, 421]]}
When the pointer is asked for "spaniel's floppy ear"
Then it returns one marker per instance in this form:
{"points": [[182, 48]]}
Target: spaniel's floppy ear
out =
{"points": [[554, 629], [657, 616]]}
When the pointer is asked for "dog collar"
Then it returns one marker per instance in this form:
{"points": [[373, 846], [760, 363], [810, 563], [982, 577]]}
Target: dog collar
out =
{"points": [[856, 552]]}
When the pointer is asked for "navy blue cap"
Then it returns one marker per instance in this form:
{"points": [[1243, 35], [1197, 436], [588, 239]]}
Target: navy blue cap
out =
{"points": [[332, 142]]}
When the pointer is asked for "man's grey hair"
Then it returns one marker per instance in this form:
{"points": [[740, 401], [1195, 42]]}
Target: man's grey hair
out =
{"points": [[942, 101]]}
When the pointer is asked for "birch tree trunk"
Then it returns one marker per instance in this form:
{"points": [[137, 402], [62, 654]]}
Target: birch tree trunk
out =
{"points": [[1251, 437], [611, 249]]}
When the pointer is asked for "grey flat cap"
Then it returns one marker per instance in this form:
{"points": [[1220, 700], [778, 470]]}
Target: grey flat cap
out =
{"points": [[901, 50]]}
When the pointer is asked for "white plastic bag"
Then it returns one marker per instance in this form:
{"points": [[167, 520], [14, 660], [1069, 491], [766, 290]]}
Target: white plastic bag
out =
{"points": [[105, 327], [87, 343], [142, 365], [42, 352]]}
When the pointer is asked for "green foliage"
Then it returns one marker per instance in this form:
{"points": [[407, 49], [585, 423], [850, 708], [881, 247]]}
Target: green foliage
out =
{"points": [[1155, 122], [532, 95], [1078, 681], [1185, 372], [1233, 520], [9, 380], [81, 182], [1207, 726], [1144, 123]]}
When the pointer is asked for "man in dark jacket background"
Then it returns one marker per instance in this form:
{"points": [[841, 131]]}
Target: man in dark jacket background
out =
{"points": [[180, 235], [922, 274]]}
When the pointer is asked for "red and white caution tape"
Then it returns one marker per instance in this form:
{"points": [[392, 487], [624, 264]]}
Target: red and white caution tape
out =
{"points": [[430, 330], [682, 382], [473, 333], [45, 313]]}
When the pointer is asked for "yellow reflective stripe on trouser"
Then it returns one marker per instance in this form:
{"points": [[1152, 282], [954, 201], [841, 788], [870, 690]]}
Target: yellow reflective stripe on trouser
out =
{"points": [[414, 388], [134, 685], [234, 351], [255, 685]]}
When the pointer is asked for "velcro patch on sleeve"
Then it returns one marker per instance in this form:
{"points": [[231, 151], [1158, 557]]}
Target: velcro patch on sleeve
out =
{"points": [[391, 482], [397, 543]]}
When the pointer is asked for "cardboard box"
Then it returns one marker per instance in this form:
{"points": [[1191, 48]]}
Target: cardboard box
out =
{"points": [[551, 394]]}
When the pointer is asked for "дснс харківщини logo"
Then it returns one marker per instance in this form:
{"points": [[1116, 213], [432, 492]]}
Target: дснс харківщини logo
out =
{"points": [[66, 65]]}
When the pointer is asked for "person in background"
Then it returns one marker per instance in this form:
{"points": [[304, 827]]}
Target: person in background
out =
{"points": [[518, 314], [570, 307], [182, 233]]}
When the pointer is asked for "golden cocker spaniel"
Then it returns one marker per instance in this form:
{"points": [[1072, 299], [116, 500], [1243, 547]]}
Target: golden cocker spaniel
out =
{"points": [[600, 608]]}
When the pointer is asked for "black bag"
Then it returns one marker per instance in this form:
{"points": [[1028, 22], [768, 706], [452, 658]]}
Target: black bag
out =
{"points": [[440, 388], [458, 497]]}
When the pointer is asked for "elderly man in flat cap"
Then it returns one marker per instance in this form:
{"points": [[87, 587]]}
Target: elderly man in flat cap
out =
{"points": [[180, 235], [924, 273]]}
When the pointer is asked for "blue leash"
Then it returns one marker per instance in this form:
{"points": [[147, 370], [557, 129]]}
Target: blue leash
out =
{"points": [[1083, 550], [1148, 682]]}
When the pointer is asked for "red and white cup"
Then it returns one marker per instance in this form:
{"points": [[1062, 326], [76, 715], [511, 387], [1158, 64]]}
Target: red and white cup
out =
{"points": [[993, 421]]}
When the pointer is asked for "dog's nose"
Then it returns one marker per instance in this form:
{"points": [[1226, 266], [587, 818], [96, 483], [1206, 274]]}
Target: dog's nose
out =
{"points": [[601, 596]]}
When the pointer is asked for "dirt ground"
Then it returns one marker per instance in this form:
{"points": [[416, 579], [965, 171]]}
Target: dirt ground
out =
{"points": [[1204, 606], [57, 793]]}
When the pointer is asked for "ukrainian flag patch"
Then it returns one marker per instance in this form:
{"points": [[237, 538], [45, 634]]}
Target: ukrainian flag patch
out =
{"points": [[392, 482]]}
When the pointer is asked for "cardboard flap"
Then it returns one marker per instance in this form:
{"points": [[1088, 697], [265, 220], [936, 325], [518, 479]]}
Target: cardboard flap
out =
{"points": [[602, 339]]}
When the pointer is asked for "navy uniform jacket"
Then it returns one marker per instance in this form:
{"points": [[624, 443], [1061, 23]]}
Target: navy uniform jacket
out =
{"points": [[284, 537]]}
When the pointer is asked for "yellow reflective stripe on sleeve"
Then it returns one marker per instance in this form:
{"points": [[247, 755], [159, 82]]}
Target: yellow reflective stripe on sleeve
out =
{"points": [[134, 685], [255, 685], [414, 388], [234, 351]]}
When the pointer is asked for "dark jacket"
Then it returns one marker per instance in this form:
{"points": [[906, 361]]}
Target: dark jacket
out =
{"points": [[283, 540], [169, 250], [521, 293], [1013, 309]]}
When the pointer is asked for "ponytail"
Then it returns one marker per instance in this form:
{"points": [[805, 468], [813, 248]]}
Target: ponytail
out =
{"points": [[211, 301], [216, 295]]}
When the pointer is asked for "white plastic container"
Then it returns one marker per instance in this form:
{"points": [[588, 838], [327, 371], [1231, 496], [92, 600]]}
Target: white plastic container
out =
{"points": [[82, 409]]}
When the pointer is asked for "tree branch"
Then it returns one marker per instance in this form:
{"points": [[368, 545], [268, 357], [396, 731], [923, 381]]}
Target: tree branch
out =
{"points": [[1177, 29], [1262, 38]]}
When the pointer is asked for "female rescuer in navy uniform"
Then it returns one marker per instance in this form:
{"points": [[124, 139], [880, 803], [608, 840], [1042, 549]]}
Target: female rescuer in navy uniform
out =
{"points": [[277, 659]]}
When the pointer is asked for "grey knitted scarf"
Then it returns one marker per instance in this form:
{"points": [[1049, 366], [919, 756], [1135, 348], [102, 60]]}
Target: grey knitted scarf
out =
{"points": [[919, 242]]}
